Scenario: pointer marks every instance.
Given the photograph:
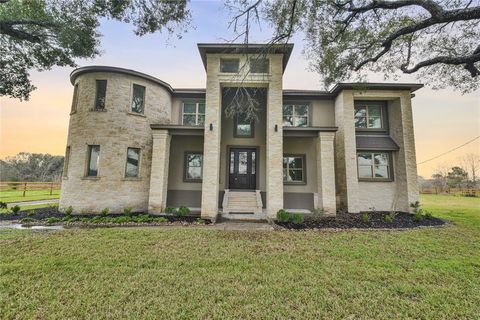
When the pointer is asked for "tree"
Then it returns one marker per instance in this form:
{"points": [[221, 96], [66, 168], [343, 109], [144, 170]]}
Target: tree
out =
{"points": [[456, 177], [31, 167], [471, 164], [439, 41], [40, 34], [439, 182]]}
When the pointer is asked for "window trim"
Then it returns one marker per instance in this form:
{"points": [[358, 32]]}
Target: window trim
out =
{"points": [[256, 60], [383, 115], [89, 155], [96, 96], [73, 108], [390, 166], [139, 163], [229, 59], [185, 162], [66, 162], [304, 168], [295, 104], [132, 96], [197, 104], [240, 136]]}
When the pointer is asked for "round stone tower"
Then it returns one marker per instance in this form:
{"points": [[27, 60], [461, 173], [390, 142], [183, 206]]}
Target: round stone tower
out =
{"points": [[111, 130]]}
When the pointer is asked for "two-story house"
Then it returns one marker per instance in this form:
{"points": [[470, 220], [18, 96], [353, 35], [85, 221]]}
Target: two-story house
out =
{"points": [[134, 141]]}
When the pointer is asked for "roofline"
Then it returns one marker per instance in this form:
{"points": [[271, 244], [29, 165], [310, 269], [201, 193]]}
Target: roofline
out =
{"points": [[374, 85], [205, 48]]}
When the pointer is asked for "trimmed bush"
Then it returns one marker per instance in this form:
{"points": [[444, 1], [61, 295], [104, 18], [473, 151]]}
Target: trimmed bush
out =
{"points": [[283, 216], [183, 211], [15, 209], [3, 205], [296, 218], [365, 217], [171, 210], [105, 211]]}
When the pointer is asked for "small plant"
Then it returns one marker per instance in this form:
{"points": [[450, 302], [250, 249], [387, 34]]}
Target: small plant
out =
{"points": [[105, 211], [161, 219], [171, 210], [365, 217], [200, 221], [3, 205], [68, 211], [127, 211], [296, 218], [15, 209], [428, 215], [373, 210], [26, 220], [183, 211], [389, 217], [53, 220], [283, 216], [31, 213], [418, 216], [418, 213]]}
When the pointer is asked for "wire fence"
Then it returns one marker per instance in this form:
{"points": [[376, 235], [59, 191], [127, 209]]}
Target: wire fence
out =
{"points": [[24, 187]]}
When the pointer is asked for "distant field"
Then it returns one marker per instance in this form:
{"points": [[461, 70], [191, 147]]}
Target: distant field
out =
{"points": [[10, 195]]}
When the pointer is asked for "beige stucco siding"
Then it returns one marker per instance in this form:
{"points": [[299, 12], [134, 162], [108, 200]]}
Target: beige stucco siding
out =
{"points": [[307, 147], [179, 145]]}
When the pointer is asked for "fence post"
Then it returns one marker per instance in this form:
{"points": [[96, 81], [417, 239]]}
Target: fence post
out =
{"points": [[51, 187], [24, 188]]}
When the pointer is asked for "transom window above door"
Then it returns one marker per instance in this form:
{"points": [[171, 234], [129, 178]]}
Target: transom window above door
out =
{"points": [[295, 115], [193, 113], [243, 127]]}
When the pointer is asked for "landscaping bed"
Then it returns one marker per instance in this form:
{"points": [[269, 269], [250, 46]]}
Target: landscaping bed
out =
{"points": [[51, 216], [370, 220]]}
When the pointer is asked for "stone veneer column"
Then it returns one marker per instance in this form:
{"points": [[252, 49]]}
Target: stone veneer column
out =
{"points": [[346, 153], [211, 146], [157, 200], [274, 140], [326, 173]]}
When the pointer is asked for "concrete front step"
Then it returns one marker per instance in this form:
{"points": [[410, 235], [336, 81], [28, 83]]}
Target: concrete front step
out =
{"points": [[247, 202]]}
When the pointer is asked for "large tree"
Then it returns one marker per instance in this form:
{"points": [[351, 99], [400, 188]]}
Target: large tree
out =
{"points": [[31, 167], [40, 34], [438, 41]]}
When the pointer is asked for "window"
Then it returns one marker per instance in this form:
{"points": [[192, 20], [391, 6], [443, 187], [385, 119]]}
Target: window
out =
{"points": [[75, 99], [193, 114], [295, 115], [66, 161], [259, 66], [293, 169], [374, 165], [138, 98], [133, 162], [93, 157], [229, 65], [243, 128], [368, 116], [193, 166], [101, 92]]}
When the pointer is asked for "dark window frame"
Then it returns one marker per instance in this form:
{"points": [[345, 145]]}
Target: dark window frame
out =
{"points": [[223, 60], [95, 104], [235, 131], [89, 159], [185, 166], [384, 115], [133, 97], [256, 62], [138, 165], [304, 168], [73, 108], [374, 179]]}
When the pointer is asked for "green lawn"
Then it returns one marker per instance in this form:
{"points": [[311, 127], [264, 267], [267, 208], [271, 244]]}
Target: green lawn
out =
{"points": [[30, 195], [190, 273]]}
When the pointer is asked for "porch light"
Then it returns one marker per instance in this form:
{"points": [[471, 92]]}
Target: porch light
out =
{"points": [[276, 128], [211, 127]]}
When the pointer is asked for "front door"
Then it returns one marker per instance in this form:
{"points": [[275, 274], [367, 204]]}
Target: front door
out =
{"points": [[243, 171]]}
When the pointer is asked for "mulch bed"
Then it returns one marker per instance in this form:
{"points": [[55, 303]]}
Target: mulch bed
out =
{"points": [[402, 220]]}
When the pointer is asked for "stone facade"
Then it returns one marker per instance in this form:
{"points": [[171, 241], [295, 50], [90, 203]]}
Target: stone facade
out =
{"points": [[327, 144]]}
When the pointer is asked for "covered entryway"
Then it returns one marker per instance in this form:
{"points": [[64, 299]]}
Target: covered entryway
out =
{"points": [[242, 168]]}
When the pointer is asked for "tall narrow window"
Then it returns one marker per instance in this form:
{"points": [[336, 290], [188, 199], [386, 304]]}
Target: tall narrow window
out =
{"points": [[293, 169], [93, 158], [193, 114], [373, 165], [368, 116], [138, 98], [243, 127], [295, 115], [259, 66], [101, 92], [74, 99], [133, 163], [193, 166], [229, 65], [66, 161]]}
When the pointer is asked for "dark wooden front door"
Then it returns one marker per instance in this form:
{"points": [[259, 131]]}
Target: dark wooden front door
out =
{"points": [[243, 169]]}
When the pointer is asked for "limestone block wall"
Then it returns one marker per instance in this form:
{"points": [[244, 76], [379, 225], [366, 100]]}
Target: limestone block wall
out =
{"points": [[114, 129]]}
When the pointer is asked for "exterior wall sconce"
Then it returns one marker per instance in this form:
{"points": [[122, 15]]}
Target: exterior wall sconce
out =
{"points": [[211, 127], [276, 128]]}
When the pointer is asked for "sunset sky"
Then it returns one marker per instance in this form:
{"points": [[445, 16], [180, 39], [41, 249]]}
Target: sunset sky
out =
{"points": [[443, 119]]}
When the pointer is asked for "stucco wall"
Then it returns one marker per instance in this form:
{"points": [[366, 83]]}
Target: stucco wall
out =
{"points": [[114, 129], [321, 112], [303, 146], [178, 146]]}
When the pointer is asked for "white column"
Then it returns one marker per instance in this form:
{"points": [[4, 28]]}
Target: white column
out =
{"points": [[326, 173], [157, 200]]}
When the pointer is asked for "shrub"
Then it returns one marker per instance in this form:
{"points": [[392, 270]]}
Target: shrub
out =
{"points": [[418, 216], [53, 220], [161, 219], [142, 218], [428, 215], [26, 220], [171, 210], [201, 221], [389, 217], [68, 211], [296, 218], [31, 213], [3, 205], [105, 211], [15, 209], [365, 217], [183, 211], [127, 211], [283, 216]]}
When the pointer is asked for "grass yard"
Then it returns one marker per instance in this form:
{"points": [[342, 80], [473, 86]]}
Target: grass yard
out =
{"points": [[31, 195], [191, 273]]}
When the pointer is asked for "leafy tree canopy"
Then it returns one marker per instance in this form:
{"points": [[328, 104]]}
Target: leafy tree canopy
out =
{"points": [[39, 34], [31, 167]]}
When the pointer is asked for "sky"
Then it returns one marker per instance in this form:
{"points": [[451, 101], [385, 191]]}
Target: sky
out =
{"points": [[443, 119]]}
